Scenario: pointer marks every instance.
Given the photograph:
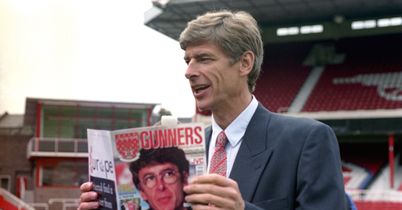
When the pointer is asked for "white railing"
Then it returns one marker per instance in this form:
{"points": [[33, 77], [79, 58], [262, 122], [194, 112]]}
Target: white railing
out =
{"points": [[376, 195], [20, 204], [63, 200], [67, 203], [57, 147], [40, 206], [70, 206]]}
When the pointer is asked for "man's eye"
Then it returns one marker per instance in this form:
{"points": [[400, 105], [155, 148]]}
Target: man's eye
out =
{"points": [[205, 59], [149, 178], [169, 173]]}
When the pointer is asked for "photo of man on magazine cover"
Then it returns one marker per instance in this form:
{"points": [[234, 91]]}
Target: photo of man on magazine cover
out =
{"points": [[160, 175]]}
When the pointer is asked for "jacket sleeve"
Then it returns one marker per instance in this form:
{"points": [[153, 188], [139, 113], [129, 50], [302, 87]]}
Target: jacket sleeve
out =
{"points": [[319, 172]]}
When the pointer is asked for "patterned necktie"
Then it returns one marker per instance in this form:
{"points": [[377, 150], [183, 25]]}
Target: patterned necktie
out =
{"points": [[218, 161]]}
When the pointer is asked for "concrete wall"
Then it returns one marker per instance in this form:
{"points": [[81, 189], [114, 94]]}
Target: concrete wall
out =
{"points": [[13, 156]]}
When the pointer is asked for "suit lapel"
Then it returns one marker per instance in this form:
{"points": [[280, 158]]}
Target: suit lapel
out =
{"points": [[253, 154], [208, 133]]}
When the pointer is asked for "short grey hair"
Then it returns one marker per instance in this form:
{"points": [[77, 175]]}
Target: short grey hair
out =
{"points": [[235, 32]]}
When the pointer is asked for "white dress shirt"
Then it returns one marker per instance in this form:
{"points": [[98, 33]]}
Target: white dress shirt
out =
{"points": [[234, 132]]}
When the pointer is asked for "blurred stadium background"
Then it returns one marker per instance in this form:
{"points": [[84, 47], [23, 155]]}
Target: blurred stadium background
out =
{"points": [[337, 61]]}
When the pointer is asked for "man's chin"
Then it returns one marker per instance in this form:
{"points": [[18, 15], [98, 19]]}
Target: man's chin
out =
{"points": [[203, 108], [167, 207]]}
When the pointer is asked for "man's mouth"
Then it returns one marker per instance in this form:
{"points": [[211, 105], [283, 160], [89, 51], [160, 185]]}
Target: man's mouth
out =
{"points": [[199, 88], [164, 199]]}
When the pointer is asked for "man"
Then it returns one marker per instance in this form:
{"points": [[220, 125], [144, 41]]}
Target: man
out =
{"points": [[270, 161], [273, 162], [160, 175]]}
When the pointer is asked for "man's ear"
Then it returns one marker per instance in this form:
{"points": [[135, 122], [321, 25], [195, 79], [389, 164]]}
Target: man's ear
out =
{"points": [[246, 62]]}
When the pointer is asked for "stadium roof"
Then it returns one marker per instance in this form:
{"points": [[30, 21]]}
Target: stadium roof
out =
{"points": [[170, 16], [32, 103]]}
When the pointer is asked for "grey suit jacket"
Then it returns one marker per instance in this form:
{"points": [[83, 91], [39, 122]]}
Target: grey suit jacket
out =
{"points": [[288, 163]]}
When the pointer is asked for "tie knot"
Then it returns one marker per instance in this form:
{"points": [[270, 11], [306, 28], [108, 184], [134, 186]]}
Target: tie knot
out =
{"points": [[221, 140]]}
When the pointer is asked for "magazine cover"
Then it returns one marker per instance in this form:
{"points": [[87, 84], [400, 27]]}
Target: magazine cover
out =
{"points": [[147, 167]]}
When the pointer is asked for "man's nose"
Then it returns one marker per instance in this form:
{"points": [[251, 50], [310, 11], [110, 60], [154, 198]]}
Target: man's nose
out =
{"points": [[191, 71], [160, 184]]}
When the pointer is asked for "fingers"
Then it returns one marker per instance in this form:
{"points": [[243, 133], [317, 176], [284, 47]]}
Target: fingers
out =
{"points": [[214, 179], [88, 206], [88, 198], [86, 187], [213, 192], [208, 199], [205, 207]]}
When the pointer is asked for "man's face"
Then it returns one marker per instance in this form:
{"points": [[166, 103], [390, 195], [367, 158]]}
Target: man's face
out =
{"points": [[215, 80], [162, 186]]}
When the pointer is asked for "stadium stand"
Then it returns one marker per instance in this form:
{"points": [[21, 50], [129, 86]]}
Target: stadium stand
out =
{"points": [[355, 177], [280, 81], [378, 205], [357, 80], [382, 180], [367, 80], [365, 161]]}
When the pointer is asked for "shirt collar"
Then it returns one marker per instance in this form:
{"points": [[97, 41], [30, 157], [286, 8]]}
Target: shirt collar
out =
{"points": [[237, 128]]}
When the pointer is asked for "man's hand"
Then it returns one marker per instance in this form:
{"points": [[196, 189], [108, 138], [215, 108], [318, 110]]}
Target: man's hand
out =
{"points": [[213, 191], [88, 198]]}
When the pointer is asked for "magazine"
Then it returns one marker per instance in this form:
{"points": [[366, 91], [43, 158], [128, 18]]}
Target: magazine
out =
{"points": [[128, 165]]}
